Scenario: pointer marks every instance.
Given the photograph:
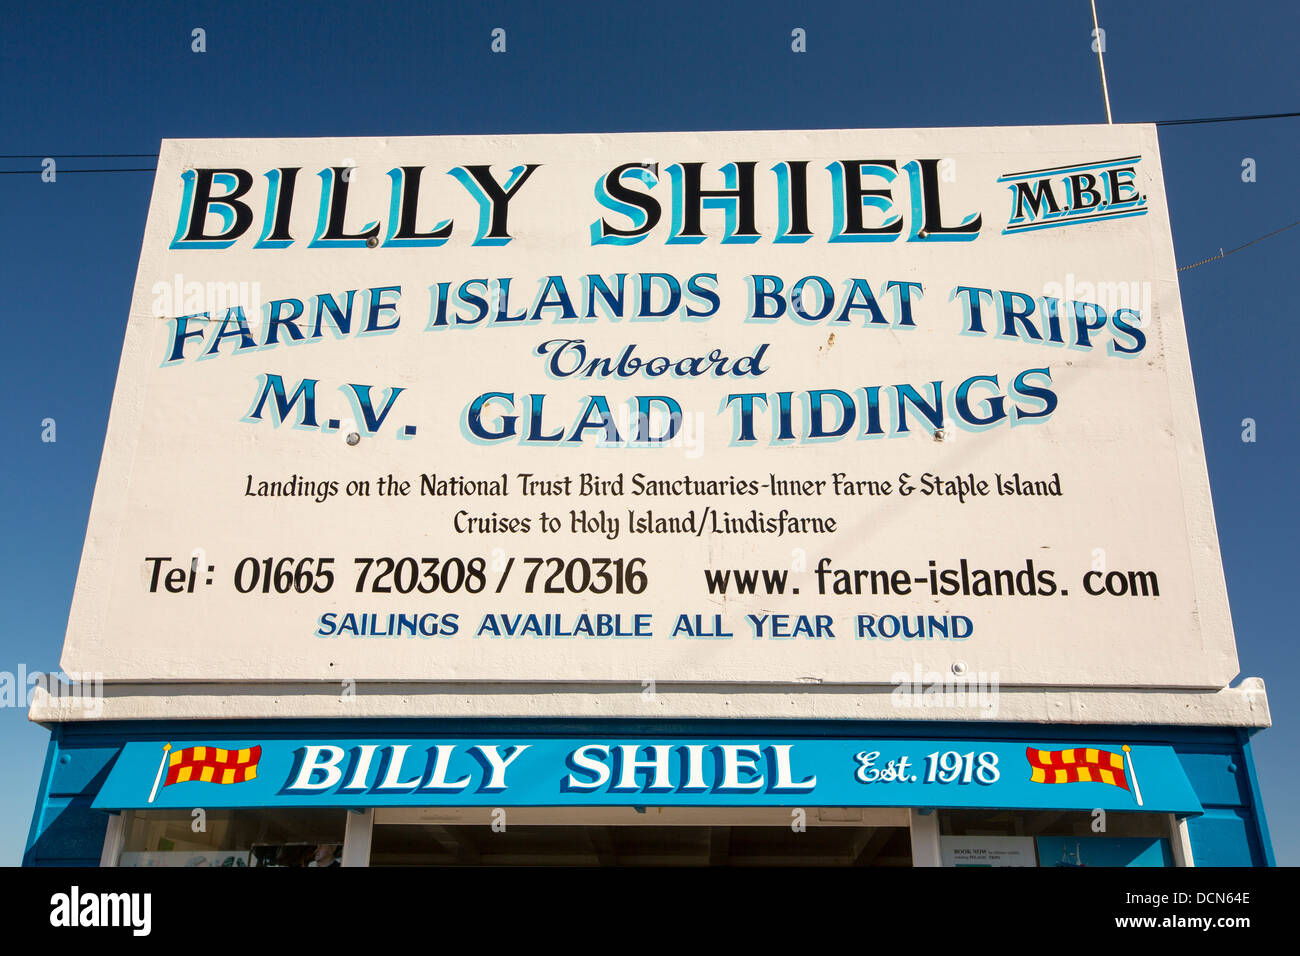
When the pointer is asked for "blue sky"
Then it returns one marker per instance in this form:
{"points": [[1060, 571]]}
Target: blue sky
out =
{"points": [[82, 78]]}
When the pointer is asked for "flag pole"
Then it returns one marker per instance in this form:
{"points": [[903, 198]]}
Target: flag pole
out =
{"points": [[1100, 44], [163, 763], [1132, 775]]}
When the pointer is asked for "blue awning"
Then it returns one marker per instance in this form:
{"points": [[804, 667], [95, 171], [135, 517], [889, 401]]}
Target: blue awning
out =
{"points": [[344, 771]]}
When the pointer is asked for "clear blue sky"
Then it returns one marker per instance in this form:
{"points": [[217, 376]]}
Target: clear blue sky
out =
{"points": [[85, 78]]}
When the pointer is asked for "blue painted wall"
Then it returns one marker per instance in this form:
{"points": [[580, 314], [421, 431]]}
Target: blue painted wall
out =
{"points": [[65, 831]]}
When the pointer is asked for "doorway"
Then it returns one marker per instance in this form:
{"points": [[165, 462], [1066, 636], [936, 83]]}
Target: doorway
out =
{"points": [[641, 836]]}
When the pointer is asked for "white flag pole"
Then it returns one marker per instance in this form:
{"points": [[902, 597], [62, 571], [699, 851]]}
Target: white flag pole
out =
{"points": [[163, 764], [1100, 46], [1132, 775]]}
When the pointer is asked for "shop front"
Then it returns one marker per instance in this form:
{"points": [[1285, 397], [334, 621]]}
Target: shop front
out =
{"points": [[826, 497], [687, 793]]}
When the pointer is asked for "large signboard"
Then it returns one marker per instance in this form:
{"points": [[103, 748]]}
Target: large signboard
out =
{"points": [[707, 407], [563, 771]]}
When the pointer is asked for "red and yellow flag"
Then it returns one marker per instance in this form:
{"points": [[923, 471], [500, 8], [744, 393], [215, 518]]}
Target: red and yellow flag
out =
{"points": [[212, 765], [1077, 765]]}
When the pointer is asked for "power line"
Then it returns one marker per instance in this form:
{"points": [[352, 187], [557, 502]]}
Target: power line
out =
{"points": [[60, 172], [1242, 118], [1226, 119], [80, 155], [1224, 255]]}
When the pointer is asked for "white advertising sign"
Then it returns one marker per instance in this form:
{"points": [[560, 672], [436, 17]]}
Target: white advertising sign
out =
{"points": [[776, 407], [987, 851]]}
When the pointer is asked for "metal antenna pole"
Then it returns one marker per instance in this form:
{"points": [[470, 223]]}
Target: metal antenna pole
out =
{"points": [[1101, 62]]}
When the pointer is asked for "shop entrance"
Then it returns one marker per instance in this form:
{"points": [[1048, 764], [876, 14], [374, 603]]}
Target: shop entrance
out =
{"points": [[640, 836]]}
